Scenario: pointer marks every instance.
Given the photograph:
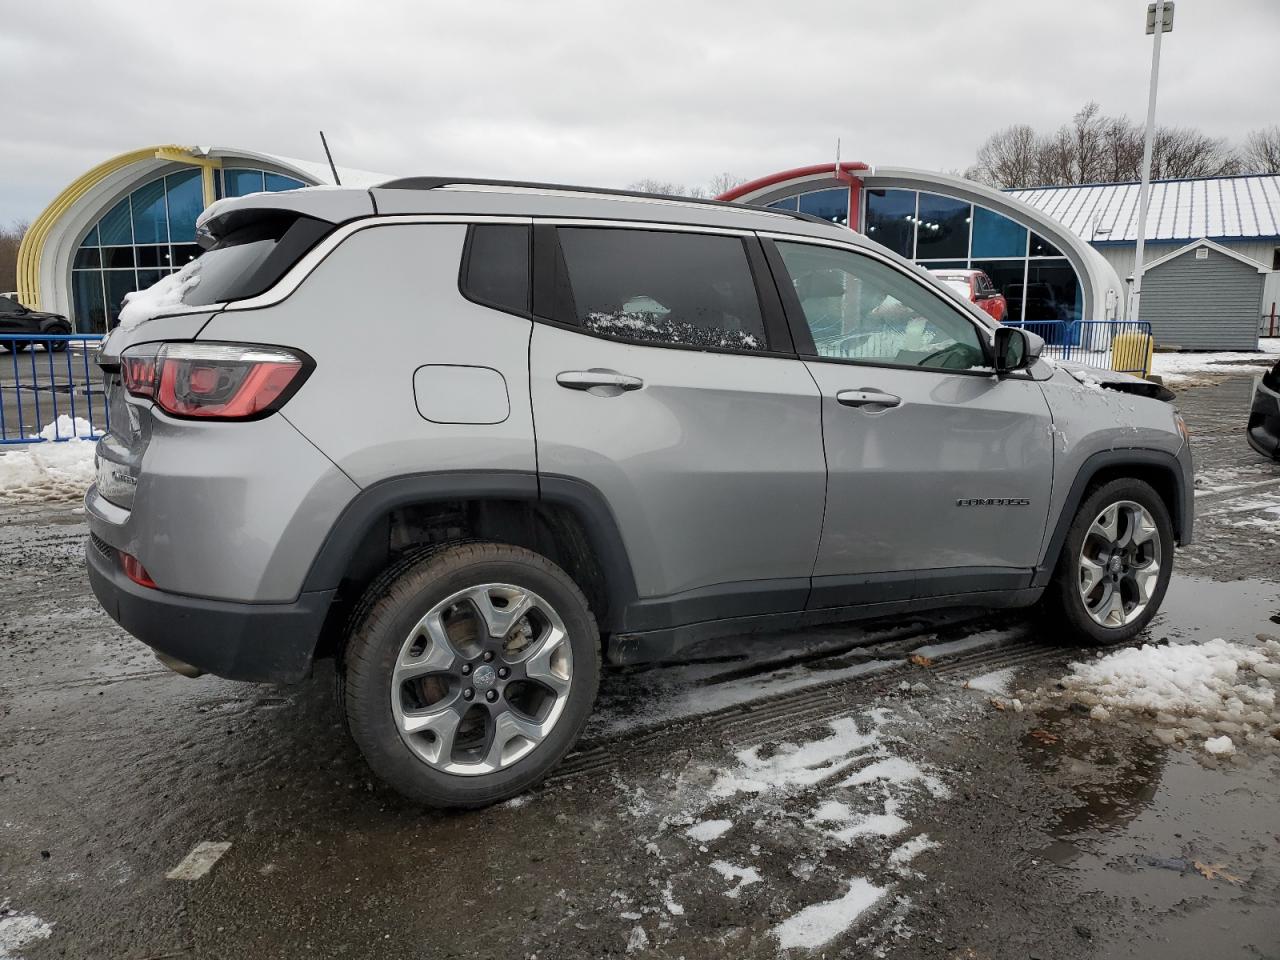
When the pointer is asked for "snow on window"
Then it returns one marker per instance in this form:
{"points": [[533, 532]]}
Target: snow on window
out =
{"points": [[660, 329], [143, 305]]}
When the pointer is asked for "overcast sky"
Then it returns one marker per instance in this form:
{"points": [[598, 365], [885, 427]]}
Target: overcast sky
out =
{"points": [[599, 92]]}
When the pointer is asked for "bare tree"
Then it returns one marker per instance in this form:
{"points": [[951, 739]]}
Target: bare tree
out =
{"points": [[1122, 150], [724, 182], [1184, 152], [1262, 151], [1095, 148], [10, 240], [719, 184], [1008, 158], [666, 188]]}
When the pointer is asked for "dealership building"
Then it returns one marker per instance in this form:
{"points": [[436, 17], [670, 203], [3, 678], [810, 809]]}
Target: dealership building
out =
{"points": [[1061, 253]]}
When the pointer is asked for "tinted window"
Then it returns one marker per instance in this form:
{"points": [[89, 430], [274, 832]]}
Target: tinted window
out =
{"points": [[8, 306], [997, 236], [829, 205], [249, 260], [667, 288], [942, 227], [497, 266], [858, 308], [891, 216]]}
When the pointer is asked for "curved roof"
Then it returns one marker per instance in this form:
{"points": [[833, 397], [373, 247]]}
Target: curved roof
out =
{"points": [[1102, 287]]}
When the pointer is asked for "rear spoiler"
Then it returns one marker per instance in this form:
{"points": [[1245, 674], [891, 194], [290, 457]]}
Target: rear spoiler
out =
{"points": [[331, 205]]}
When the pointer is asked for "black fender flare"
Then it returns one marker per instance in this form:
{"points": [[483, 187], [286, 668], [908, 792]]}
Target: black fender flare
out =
{"points": [[1181, 514], [586, 502]]}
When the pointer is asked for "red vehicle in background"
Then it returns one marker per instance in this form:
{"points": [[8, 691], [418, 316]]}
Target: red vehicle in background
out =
{"points": [[976, 287]]}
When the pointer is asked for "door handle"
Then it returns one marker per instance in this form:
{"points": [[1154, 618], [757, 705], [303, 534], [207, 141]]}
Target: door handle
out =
{"points": [[867, 398], [587, 379]]}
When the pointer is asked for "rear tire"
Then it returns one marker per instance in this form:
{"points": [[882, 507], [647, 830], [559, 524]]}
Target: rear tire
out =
{"points": [[1114, 567], [470, 671]]}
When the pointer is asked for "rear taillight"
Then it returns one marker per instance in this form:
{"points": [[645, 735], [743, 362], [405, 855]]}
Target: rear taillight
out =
{"points": [[215, 381]]}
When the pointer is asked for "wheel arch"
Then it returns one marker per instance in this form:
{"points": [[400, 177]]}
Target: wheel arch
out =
{"points": [[567, 520], [1162, 470]]}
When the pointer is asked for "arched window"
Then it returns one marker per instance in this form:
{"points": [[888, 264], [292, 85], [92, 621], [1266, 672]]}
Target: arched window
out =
{"points": [[148, 234], [942, 232]]}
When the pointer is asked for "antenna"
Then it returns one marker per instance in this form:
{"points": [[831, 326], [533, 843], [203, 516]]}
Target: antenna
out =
{"points": [[325, 143], [837, 156]]}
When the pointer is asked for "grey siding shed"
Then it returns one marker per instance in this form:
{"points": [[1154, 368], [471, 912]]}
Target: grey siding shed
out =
{"points": [[1207, 302]]}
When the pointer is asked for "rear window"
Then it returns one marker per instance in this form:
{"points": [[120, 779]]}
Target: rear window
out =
{"points": [[684, 289], [250, 260], [495, 266], [221, 271]]}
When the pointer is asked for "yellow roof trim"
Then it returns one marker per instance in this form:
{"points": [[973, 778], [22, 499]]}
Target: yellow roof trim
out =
{"points": [[32, 249]]}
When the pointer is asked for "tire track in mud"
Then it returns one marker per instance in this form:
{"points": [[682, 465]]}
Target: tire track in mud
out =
{"points": [[770, 717]]}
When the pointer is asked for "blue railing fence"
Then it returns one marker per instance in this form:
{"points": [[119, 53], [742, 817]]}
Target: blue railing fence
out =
{"points": [[50, 389], [1120, 345]]}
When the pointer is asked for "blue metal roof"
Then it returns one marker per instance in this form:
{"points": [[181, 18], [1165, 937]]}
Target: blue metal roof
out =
{"points": [[1222, 208]]}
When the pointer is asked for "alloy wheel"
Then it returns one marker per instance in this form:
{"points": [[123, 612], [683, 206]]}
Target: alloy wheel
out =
{"points": [[482, 679], [1119, 564]]}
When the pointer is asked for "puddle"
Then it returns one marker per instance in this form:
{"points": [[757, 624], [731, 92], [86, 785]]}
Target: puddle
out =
{"points": [[1187, 847], [1201, 609], [1193, 852]]}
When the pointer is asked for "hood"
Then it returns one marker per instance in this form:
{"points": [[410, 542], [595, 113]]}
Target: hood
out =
{"points": [[1098, 378]]}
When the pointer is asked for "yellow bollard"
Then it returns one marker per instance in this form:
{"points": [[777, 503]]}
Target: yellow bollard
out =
{"points": [[1132, 352]]}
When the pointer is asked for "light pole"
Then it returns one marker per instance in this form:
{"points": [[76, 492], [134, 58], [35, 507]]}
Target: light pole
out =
{"points": [[1159, 21]]}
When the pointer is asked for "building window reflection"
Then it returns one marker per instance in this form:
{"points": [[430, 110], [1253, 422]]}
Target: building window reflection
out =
{"points": [[938, 231], [147, 235]]}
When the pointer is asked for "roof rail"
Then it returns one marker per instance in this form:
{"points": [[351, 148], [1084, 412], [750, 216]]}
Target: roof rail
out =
{"points": [[435, 183]]}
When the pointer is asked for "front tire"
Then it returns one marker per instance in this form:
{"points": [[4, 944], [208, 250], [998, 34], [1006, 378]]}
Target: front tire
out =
{"points": [[1114, 567], [470, 672]]}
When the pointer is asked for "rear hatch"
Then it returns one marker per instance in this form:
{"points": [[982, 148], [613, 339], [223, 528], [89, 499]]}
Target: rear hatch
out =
{"points": [[250, 245]]}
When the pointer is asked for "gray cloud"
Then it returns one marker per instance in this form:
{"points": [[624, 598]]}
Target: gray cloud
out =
{"points": [[598, 92]]}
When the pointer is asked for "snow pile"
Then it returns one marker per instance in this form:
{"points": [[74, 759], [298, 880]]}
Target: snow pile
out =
{"points": [[1177, 367], [995, 683], [1219, 693], [18, 930], [66, 427], [143, 305], [47, 471]]}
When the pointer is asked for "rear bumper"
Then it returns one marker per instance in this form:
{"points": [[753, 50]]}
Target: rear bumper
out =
{"points": [[266, 642], [1263, 431]]}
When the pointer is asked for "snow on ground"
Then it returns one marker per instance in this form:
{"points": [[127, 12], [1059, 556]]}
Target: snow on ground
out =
{"points": [[707, 830], [823, 922], [1177, 368], [840, 787], [995, 683], [49, 471], [18, 930], [1218, 695]]}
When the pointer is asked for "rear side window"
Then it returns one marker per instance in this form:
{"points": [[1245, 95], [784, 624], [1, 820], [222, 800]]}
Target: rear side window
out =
{"points": [[667, 288], [495, 266]]}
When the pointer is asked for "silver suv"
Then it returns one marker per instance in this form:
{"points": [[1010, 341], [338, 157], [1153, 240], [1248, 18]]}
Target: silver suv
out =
{"points": [[469, 438]]}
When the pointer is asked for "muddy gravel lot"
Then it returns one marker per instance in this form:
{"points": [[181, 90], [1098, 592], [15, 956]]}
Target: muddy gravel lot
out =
{"points": [[942, 787]]}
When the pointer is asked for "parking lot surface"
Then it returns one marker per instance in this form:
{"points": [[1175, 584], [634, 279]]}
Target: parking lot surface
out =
{"points": [[935, 787]]}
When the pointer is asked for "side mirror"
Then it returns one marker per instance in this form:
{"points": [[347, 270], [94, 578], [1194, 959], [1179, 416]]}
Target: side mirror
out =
{"points": [[1016, 349]]}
